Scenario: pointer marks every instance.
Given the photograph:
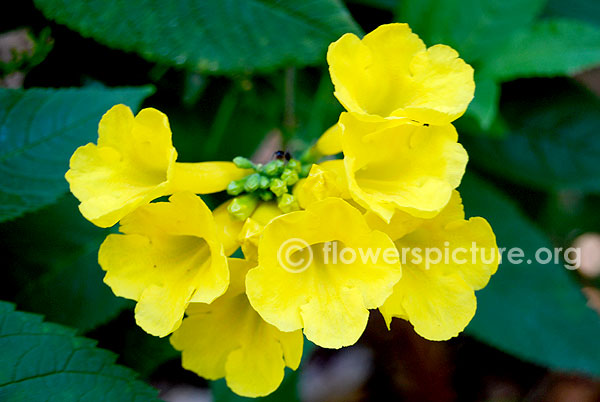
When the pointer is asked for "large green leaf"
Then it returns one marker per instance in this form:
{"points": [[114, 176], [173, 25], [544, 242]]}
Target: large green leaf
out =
{"points": [[534, 311], [553, 140], [548, 48], [45, 361], [51, 257], [210, 35], [586, 10], [484, 106], [476, 28], [39, 130]]}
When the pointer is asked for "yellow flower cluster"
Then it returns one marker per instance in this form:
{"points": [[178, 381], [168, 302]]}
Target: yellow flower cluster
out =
{"points": [[394, 189]]}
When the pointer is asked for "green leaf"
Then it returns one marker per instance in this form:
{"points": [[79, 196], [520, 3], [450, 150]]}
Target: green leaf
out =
{"points": [[210, 36], [552, 143], [534, 311], [476, 28], [39, 130], [484, 106], [145, 353], [584, 10], [381, 4], [548, 48], [51, 257], [45, 361]]}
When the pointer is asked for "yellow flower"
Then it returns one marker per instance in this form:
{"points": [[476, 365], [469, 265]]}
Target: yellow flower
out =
{"points": [[390, 73], [169, 255], [328, 298], [227, 338], [398, 164], [437, 294], [133, 164]]}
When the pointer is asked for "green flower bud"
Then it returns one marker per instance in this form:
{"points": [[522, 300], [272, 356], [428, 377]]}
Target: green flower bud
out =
{"points": [[236, 187], [265, 182], [242, 207], [273, 168], [252, 182], [290, 177], [278, 187], [243, 163], [294, 165], [288, 203], [266, 195]]}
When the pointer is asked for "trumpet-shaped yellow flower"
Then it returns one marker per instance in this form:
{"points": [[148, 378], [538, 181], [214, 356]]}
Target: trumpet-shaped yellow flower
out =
{"points": [[437, 291], [390, 73], [395, 165], [327, 296], [170, 253], [227, 338], [134, 163]]}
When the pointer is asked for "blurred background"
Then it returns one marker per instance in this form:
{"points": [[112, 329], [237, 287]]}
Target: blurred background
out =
{"points": [[247, 77]]}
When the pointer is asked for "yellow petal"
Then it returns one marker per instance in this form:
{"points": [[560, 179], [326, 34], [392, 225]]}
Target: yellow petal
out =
{"points": [[253, 227], [438, 306], [401, 165], [330, 143], [229, 228], [390, 73], [450, 231], [320, 184], [168, 255], [442, 86], [400, 225], [127, 168], [329, 300], [204, 177], [457, 257], [227, 338]]}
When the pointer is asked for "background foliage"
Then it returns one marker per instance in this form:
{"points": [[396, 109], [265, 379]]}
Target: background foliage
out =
{"points": [[230, 73]]}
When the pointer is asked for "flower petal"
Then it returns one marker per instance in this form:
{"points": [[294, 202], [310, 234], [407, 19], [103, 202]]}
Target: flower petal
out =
{"points": [[447, 259], [401, 165], [168, 255], [127, 168], [204, 177], [370, 76], [329, 300], [229, 339], [330, 143], [391, 74], [228, 227], [438, 306], [442, 86]]}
